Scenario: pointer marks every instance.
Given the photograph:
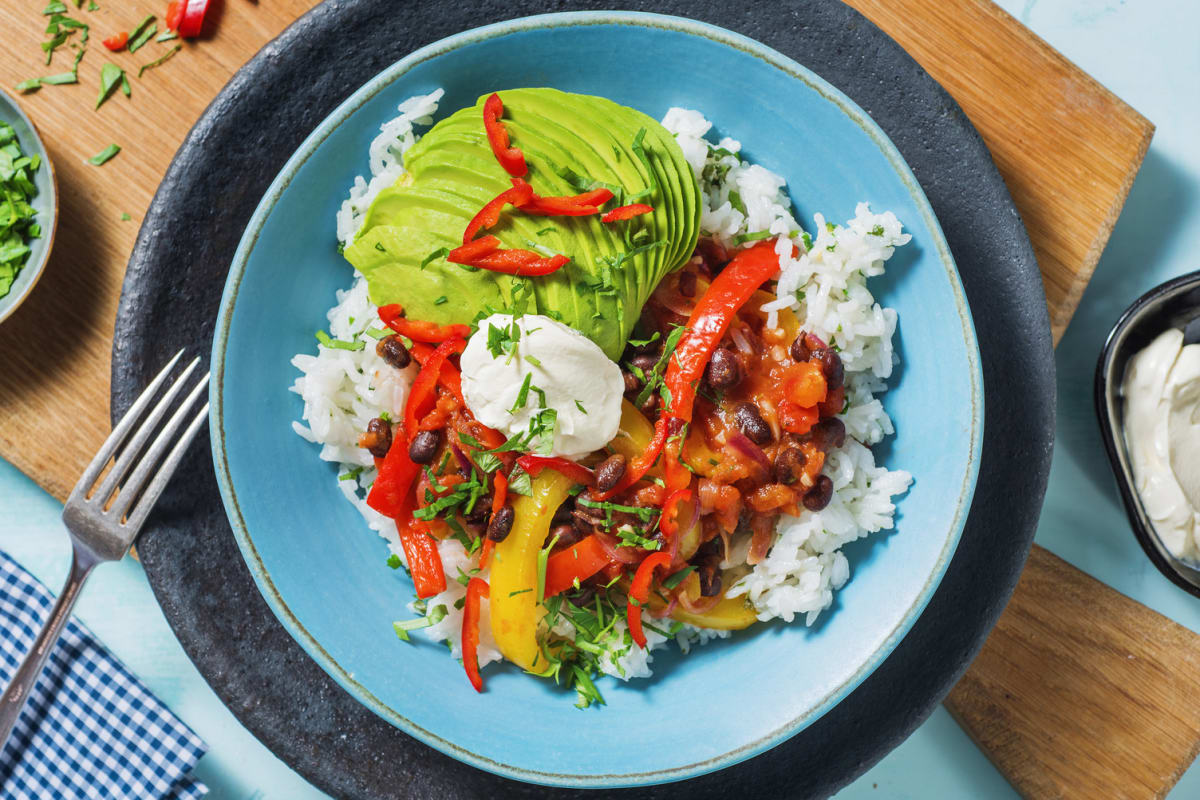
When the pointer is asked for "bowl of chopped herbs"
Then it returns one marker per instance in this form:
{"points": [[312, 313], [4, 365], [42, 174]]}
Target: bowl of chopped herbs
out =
{"points": [[28, 206]]}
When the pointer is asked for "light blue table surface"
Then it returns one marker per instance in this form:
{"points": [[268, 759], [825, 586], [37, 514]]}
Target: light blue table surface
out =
{"points": [[1148, 52]]}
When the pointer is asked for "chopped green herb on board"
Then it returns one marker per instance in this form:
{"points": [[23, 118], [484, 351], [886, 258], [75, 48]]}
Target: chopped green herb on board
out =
{"points": [[17, 225], [104, 155], [163, 58], [111, 76]]}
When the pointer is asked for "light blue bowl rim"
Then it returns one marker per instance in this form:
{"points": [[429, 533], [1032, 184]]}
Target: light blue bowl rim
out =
{"points": [[46, 203], [282, 182]]}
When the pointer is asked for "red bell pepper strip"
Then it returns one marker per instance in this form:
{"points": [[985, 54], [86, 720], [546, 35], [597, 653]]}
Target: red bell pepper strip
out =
{"points": [[424, 561], [580, 205], [499, 491], [520, 194], [192, 20], [392, 496], [510, 158], [579, 562], [485, 552], [174, 14], [668, 521], [117, 41], [468, 253], [394, 483], [477, 588], [729, 291], [449, 378], [420, 330], [512, 262], [568, 469], [626, 212], [640, 465], [639, 593], [422, 394]]}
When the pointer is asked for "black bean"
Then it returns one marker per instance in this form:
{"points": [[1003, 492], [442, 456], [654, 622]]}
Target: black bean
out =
{"points": [[650, 406], [831, 366], [828, 434], [567, 536], [820, 494], [425, 446], [479, 512], [501, 523], [800, 351], [789, 465], [724, 371], [632, 383], [393, 351], [378, 438], [687, 284], [584, 522], [583, 597], [609, 472], [563, 514], [710, 579], [645, 362], [749, 419]]}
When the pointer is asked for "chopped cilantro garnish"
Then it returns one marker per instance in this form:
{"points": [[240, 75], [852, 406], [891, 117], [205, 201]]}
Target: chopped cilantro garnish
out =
{"points": [[677, 578], [735, 200], [394, 562], [519, 482], [743, 238], [435, 615], [440, 300], [351, 474], [522, 394], [579, 405], [142, 33], [161, 59], [441, 252], [653, 379], [544, 231], [876, 231], [110, 78], [337, 344], [104, 155]]}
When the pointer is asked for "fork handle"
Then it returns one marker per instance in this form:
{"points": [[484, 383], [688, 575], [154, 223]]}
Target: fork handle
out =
{"points": [[22, 683]]}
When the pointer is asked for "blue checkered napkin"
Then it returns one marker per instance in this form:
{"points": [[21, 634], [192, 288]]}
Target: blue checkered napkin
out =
{"points": [[90, 728]]}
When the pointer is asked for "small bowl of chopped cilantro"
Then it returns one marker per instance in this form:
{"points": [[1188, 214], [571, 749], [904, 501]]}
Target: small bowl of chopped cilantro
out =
{"points": [[28, 206]]}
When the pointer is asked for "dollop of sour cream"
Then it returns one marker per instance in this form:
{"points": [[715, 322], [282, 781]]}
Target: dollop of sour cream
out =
{"points": [[566, 372], [1162, 435]]}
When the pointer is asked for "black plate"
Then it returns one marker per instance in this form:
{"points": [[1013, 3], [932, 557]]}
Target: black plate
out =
{"points": [[170, 300]]}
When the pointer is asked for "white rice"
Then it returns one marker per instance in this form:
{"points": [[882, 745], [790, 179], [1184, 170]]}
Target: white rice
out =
{"points": [[824, 284]]}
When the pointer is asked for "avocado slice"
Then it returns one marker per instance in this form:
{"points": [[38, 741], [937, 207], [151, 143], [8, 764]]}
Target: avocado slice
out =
{"points": [[572, 142]]}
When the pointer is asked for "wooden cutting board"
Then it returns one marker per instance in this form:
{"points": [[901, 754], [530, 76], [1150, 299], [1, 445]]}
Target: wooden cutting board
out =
{"points": [[1094, 707]]}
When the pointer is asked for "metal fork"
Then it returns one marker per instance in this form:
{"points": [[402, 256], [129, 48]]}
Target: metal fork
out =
{"points": [[104, 521]]}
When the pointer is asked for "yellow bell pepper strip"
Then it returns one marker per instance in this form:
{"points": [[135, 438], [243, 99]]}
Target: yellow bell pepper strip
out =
{"points": [[477, 589], [639, 593], [634, 432], [729, 614], [515, 609]]}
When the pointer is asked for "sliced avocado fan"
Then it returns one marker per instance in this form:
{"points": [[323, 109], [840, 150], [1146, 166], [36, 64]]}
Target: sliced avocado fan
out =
{"points": [[572, 143]]}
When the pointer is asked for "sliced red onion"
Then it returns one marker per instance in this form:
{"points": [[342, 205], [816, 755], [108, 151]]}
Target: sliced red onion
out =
{"points": [[462, 459], [751, 451], [626, 555], [739, 339], [701, 606], [760, 543]]}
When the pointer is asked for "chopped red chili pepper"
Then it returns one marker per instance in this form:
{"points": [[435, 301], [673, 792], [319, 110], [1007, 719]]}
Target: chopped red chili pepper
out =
{"points": [[510, 158], [710, 318], [580, 205], [511, 262], [477, 588], [420, 330], [117, 41], [473, 250], [639, 593], [485, 552], [449, 378], [422, 394], [627, 212], [191, 22], [499, 491], [391, 495], [396, 475], [520, 194], [579, 562], [567, 468], [668, 521], [174, 14]]}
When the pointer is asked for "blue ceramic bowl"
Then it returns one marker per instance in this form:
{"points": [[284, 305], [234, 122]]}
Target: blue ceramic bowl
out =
{"points": [[45, 203], [322, 570]]}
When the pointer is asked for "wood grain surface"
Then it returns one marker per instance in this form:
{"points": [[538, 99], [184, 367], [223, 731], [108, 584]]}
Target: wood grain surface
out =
{"points": [[1082, 692], [1067, 148]]}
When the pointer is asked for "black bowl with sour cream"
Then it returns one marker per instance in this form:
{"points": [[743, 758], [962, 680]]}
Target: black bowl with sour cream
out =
{"points": [[1173, 304]]}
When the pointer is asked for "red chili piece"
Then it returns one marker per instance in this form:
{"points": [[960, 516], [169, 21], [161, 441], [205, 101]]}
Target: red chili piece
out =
{"points": [[568, 469], [422, 395], [191, 22], [420, 330], [520, 194], [640, 465], [510, 262], [510, 158], [626, 212], [580, 205], [117, 41]]}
